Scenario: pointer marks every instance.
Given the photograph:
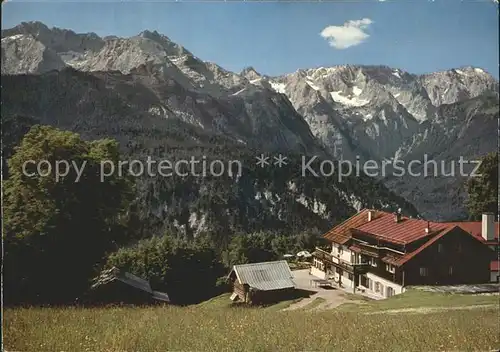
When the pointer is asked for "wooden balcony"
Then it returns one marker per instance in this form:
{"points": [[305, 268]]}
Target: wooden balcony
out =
{"points": [[328, 258]]}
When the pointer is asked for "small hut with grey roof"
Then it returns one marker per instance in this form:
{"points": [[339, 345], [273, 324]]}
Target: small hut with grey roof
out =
{"points": [[262, 283], [116, 286]]}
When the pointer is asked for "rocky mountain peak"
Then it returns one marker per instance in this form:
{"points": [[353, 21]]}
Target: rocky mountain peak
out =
{"points": [[250, 73], [374, 111], [153, 35], [32, 27]]}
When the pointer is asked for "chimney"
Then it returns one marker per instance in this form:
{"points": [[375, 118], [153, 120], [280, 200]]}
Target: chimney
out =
{"points": [[397, 215], [488, 227], [428, 228], [370, 215]]}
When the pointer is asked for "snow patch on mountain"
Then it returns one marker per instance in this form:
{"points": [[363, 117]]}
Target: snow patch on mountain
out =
{"points": [[353, 101], [12, 37], [357, 91], [312, 85], [278, 87], [240, 91]]}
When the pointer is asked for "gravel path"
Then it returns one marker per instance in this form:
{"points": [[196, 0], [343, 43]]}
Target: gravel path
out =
{"points": [[332, 297]]}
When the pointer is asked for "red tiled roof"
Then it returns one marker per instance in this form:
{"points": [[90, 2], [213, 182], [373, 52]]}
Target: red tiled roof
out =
{"points": [[495, 265], [405, 231], [475, 229], [342, 232], [383, 226]]}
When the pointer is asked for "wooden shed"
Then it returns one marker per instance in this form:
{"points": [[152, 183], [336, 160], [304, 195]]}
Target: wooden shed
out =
{"points": [[262, 283], [116, 286]]}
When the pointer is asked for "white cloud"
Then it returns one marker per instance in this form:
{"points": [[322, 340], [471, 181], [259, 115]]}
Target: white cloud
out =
{"points": [[349, 34]]}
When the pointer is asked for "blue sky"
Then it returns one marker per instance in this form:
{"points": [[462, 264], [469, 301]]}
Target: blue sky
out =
{"points": [[275, 38]]}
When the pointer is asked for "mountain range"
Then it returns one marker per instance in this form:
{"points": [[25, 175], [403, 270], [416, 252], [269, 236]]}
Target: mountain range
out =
{"points": [[155, 96]]}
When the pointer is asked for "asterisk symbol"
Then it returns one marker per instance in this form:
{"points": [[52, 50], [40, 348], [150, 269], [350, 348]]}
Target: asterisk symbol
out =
{"points": [[262, 160], [280, 160]]}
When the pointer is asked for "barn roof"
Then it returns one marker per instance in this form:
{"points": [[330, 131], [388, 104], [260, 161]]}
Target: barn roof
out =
{"points": [[266, 276], [114, 274]]}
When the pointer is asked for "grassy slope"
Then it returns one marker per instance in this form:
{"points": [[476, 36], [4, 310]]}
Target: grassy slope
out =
{"points": [[314, 304], [215, 326], [223, 302], [422, 299]]}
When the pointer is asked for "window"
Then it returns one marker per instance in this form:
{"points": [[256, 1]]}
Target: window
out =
{"points": [[390, 291], [350, 277], [377, 287], [340, 249], [319, 265], [424, 271], [440, 248], [390, 268], [450, 270], [373, 262]]}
